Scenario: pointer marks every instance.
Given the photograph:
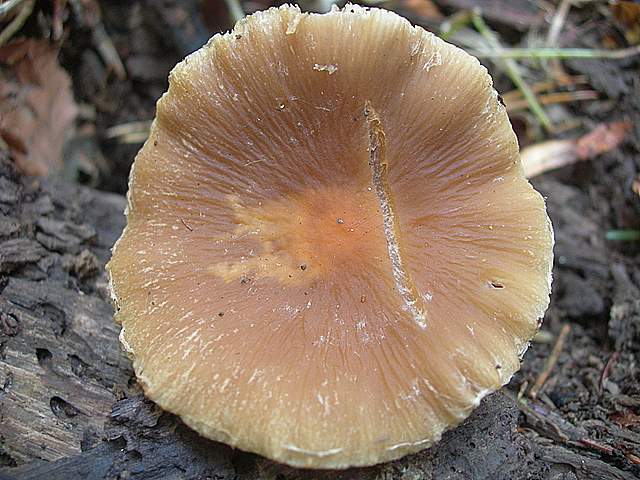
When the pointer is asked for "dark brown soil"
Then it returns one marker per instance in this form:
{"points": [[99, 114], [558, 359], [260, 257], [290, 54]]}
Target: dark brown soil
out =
{"points": [[69, 405]]}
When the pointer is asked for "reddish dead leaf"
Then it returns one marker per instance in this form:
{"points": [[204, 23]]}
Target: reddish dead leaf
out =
{"points": [[626, 418], [422, 8], [552, 154], [603, 139], [37, 110]]}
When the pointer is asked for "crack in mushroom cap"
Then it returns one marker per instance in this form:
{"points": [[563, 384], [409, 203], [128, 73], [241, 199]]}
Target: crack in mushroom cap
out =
{"points": [[312, 184]]}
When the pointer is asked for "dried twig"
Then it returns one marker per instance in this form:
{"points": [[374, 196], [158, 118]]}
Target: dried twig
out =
{"points": [[607, 370], [88, 13], [541, 87], [554, 98], [7, 7], [131, 132], [17, 23], [57, 19], [552, 154], [551, 361], [586, 442], [522, 389], [559, 18], [108, 51], [546, 156], [558, 22], [512, 70]]}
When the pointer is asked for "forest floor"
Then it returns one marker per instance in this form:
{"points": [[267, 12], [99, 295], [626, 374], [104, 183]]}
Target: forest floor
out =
{"points": [[572, 412]]}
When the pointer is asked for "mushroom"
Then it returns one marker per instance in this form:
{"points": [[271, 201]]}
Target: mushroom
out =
{"points": [[332, 253]]}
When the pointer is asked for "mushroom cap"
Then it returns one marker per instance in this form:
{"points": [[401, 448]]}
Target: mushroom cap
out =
{"points": [[332, 253]]}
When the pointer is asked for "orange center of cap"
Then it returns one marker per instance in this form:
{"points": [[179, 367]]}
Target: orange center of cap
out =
{"points": [[308, 234]]}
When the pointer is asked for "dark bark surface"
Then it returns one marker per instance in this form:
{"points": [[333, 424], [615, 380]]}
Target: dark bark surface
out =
{"points": [[70, 407]]}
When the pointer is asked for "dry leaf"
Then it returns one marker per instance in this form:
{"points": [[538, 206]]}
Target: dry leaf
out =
{"points": [[37, 110], [552, 154], [627, 14], [603, 138]]}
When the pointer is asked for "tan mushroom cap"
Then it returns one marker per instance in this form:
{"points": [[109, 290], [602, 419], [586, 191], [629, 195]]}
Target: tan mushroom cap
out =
{"points": [[332, 253]]}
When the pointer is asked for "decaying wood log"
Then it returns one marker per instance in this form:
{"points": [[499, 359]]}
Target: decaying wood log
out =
{"points": [[70, 407]]}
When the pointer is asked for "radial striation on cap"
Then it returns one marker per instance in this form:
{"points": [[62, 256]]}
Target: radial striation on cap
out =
{"points": [[332, 253]]}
